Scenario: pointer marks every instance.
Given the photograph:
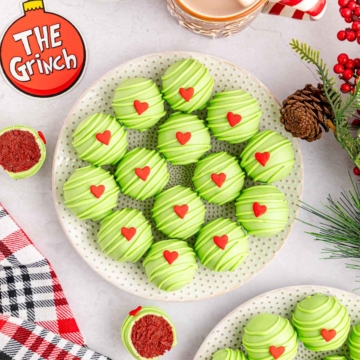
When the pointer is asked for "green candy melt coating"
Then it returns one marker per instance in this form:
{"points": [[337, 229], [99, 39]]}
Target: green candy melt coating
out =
{"points": [[280, 163], [236, 102], [317, 313], [32, 171], [82, 202], [130, 321], [336, 357], [354, 342], [217, 165], [186, 74], [265, 331], [115, 244], [169, 222], [229, 354], [213, 256], [191, 131], [137, 160], [145, 91], [89, 148], [273, 220], [175, 276]]}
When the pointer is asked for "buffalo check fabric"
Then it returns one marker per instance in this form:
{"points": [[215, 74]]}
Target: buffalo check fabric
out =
{"points": [[36, 321]]}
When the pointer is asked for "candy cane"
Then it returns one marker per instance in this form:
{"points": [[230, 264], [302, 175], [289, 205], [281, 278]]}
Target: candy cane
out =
{"points": [[297, 9]]}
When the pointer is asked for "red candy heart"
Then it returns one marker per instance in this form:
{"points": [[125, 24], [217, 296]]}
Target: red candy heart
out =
{"points": [[140, 107], [104, 137], [170, 257], [181, 211], [233, 119], [276, 352], [218, 179], [136, 311], [183, 138], [42, 137], [187, 94], [259, 209], [262, 158], [97, 191], [328, 335], [143, 173], [128, 233], [221, 241]]}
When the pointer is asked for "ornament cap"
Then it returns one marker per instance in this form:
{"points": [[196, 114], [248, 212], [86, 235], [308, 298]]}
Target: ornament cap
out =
{"points": [[33, 5]]}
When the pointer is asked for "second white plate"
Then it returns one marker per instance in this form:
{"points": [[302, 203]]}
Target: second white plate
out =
{"points": [[228, 333]]}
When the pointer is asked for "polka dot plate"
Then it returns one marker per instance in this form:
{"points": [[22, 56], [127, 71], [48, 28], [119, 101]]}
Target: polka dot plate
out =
{"points": [[82, 234], [229, 331]]}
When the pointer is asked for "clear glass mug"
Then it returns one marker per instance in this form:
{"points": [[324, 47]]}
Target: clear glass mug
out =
{"points": [[226, 24]]}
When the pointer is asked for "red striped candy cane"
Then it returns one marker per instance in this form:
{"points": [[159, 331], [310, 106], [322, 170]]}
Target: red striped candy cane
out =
{"points": [[297, 9]]}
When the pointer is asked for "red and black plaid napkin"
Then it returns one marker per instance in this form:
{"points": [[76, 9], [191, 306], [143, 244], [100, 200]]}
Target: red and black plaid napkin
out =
{"points": [[36, 322]]}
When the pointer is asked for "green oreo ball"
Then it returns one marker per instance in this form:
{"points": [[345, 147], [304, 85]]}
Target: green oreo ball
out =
{"points": [[234, 116], [178, 212], [322, 322], [138, 104], [269, 336], [125, 235], [183, 139], [354, 342], [91, 193], [222, 245], [148, 333], [262, 210], [187, 85], [22, 151], [142, 173], [229, 354], [170, 264], [268, 157], [100, 140], [336, 357], [218, 178]]}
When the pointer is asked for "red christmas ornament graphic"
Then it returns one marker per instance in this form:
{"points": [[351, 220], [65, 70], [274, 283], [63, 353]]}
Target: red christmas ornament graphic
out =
{"points": [[42, 54]]}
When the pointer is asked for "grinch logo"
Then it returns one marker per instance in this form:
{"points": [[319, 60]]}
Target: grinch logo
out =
{"points": [[42, 54]]}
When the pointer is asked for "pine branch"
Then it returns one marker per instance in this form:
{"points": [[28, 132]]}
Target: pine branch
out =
{"points": [[340, 226], [342, 109]]}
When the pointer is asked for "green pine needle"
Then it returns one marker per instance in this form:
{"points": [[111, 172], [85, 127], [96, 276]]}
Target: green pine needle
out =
{"points": [[340, 226], [342, 108]]}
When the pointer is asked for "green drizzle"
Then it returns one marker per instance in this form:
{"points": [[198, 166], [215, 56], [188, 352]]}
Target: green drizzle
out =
{"points": [[273, 221], [215, 164], [240, 103], [190, 152], [281, 160], [319, 312], [187, 73], [168, 222], [92, 150], [175, 276], [143, 90], [114, 244], [266, 330], [79, 199], [229, 354], [212, 256], [131, 184]]}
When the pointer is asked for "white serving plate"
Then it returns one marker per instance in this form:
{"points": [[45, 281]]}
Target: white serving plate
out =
{"points": [[228, 332], [82, 234]]}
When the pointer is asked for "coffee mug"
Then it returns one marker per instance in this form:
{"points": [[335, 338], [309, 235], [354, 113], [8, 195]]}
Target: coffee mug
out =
{"points": [[223, 18]]}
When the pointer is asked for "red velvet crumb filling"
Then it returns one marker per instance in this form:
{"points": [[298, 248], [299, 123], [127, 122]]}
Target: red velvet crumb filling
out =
{"points": [[152, 336], [18, 151]]}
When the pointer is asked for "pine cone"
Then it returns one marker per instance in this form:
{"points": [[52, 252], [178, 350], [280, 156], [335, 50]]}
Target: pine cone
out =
{"points": [[306, 112]]}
